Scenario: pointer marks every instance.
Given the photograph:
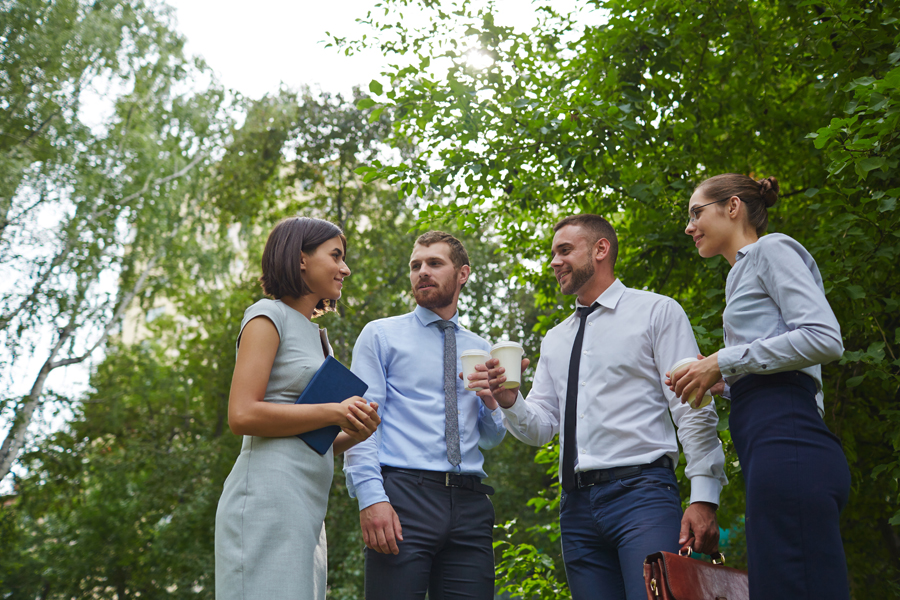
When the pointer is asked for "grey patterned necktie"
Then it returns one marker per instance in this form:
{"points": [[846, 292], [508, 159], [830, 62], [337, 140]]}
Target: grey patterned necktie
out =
{"points": [[451, 414]]}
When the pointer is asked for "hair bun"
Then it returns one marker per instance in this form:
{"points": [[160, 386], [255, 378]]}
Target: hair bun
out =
{"points": [[768, 189]]}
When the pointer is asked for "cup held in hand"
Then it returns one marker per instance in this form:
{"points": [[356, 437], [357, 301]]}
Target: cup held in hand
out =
{"points": [[510, 356], [692, 401], [469, 359]]}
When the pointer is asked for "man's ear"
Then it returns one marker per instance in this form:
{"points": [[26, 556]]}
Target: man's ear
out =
{"points": [[464, 272], [601, 249]]}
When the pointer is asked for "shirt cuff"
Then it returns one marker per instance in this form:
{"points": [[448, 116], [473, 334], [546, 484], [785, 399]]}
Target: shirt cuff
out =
{"points": [[730, 361], [516, 412], [705, 489], [371, 492]]}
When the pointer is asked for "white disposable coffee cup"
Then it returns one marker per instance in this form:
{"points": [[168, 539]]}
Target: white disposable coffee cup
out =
{"points": [[510, 356], [469, 359], [692, 401]]}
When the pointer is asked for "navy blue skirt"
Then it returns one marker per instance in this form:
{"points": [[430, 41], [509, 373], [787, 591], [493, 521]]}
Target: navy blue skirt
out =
{"points": [[797, 482]]}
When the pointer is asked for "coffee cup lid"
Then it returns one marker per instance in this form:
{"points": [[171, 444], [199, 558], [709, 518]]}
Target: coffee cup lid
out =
{"points": [[681, 363], [475, 352], [500, 345]]}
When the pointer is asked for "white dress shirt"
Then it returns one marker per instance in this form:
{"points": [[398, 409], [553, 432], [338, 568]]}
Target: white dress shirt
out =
{"points": [[623, 405], [776, 317]]}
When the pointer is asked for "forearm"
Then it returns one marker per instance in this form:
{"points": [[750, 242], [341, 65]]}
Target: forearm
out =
{"points": [[704, 455], [362, 469], [342, 443], [267, 419], [490, 428], [797, 349], [530, 423]]}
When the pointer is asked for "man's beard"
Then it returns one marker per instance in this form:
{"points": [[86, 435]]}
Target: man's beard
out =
{"points": [[578, 277], [435, 297]]}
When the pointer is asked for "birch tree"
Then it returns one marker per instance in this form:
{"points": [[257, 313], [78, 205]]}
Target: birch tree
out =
{"points": [[93, 219]]}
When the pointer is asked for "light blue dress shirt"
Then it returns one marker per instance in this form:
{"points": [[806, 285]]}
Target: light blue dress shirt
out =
{"points": [[402, 360], [777, 317]]}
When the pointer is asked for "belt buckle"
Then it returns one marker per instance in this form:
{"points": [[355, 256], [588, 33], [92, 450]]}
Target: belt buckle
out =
{"points": [[446, 479]]}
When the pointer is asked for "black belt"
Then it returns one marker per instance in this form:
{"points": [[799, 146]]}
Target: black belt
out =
{"points": [[466, 482], [588, 478]]}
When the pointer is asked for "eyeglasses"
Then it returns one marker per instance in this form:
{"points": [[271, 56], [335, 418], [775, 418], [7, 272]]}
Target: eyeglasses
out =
{"points": [[693, 211]]}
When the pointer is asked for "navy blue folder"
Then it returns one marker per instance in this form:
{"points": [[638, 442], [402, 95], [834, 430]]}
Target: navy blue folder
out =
{"points": [[333, 382]]}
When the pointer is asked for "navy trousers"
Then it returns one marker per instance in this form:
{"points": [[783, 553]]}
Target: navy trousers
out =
{"points": [[447, 548], [797, 482], [608, 530]]}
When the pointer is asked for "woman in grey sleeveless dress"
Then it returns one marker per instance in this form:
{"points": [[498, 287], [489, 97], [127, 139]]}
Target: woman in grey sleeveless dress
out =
{"points": [[270, 532]]}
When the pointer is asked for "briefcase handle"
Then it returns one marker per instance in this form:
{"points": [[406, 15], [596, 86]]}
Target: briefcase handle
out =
{"points": [[716, 558]]}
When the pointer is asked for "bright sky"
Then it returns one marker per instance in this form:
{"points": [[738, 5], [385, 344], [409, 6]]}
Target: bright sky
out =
{"points": [[253, 48]]}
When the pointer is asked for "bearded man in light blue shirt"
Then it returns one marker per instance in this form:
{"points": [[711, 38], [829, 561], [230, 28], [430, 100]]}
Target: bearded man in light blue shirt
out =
{"points": [[426, 517]]}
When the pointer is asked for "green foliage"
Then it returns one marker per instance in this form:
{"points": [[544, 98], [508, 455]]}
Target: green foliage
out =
{"points": [[625, 118], [123, 202], [123, 500]]}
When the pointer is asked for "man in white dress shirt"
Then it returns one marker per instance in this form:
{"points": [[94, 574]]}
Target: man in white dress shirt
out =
{"points": [[620, 499]]}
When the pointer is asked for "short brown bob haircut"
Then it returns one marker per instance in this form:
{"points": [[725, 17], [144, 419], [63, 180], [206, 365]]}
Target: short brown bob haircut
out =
{"points": [[281, 275], [458, 253], [597, 228]]}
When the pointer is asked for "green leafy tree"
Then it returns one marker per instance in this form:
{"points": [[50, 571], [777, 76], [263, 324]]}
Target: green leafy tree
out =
{"points": [[625, 118], [122, 501], [92, 220]]}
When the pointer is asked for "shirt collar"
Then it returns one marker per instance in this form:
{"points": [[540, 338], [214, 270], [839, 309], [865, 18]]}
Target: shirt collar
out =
{"points": [[426, 317], [743, 252], [610, 296]]}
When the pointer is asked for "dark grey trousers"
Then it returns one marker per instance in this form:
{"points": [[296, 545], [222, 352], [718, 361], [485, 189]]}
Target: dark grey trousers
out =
{"points": [[447, 544]]}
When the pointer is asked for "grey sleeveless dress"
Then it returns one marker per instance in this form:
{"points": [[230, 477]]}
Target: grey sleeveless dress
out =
{"points": [[270, 523]]}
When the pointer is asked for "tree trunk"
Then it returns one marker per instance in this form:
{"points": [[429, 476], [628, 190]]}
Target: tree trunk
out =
{"points": [[15, 439]]}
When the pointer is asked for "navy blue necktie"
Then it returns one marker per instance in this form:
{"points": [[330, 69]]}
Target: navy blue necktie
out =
{"points": [[568, 463]]}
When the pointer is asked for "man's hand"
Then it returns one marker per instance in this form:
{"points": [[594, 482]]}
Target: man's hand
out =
{"points": [[381, 528], [479, 380], [699, 528], [495, 380]]}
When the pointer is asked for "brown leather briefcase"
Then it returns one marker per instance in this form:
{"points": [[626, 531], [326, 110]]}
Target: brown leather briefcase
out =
{"points": [[674, 577]]}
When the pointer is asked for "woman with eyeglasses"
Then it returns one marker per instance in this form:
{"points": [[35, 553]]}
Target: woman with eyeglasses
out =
{"points": [[779, 329]]}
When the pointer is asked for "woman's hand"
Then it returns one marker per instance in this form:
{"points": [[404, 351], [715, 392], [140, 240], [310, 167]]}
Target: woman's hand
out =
{"points": [[360, 418], [359, 421], [701, 376]]}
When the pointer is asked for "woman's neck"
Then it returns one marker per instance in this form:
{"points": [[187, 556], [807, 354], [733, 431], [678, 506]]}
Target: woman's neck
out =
{"points": [[742, 239], [305, 305]]}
